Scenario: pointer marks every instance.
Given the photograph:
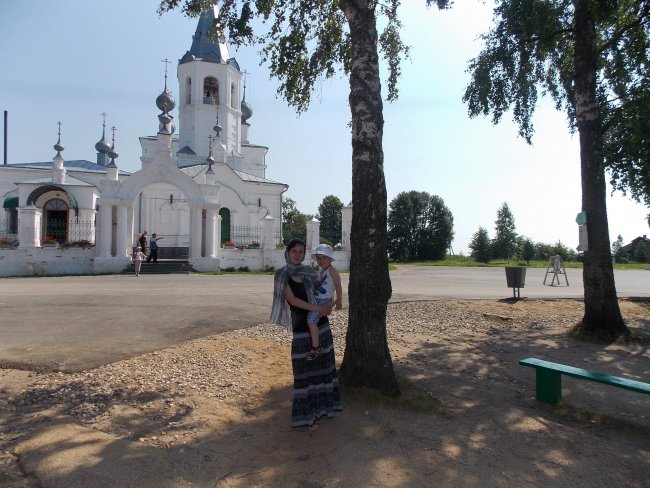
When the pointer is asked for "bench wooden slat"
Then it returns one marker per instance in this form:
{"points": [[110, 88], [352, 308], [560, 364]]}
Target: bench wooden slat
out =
{"points": [[549, 379]]}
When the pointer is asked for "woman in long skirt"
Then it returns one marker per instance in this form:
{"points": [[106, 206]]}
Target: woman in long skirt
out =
{"points": [[316, 391]]}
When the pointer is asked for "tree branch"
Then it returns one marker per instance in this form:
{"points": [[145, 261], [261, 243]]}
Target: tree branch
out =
{"points": [[548, 37], [641, 19]]}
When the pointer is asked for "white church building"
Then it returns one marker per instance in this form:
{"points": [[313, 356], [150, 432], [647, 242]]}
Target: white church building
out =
{"points": [[203, 190]]}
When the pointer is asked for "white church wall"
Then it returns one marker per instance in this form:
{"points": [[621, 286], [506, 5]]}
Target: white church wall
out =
{"points": [[255, 159], [81, 261], [163, 208], [148, 145], [146, 193], [86, 196], [46, 261], [9, 176], [235, 258], [263, 259]]}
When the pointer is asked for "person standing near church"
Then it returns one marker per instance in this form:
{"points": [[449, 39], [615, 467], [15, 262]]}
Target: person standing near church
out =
{"points": [[138, 257], [153, 248], [142, 241]]}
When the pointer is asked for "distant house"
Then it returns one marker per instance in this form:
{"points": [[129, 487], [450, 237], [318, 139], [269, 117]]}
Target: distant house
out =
{"points": [[638, 249]]}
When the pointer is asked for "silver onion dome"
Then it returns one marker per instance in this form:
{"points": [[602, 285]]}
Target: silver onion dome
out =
{"points": [[103, 146], [165, 102], [246, 111], [112, 154], [58, 147]]}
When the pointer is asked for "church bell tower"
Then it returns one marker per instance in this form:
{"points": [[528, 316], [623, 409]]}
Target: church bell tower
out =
{"points": [[209, 82]]}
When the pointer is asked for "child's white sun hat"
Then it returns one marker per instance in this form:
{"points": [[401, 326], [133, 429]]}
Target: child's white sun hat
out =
{"points": [[324, 250]]}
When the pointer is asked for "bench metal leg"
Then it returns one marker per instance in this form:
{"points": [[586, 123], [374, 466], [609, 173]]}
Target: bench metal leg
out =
{"points": [[548, 386]]}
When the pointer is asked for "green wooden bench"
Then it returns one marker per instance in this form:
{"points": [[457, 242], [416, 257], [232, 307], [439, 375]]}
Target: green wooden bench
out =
{"points": [[549, 379]]}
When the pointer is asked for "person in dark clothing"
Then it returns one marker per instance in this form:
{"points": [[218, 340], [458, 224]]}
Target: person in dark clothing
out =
{"points": [[153, 248], [316, 391], [142, 241]]}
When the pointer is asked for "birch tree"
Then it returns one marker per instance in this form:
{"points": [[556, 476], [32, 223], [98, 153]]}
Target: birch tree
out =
{"points": [[591, 58], [303, 42]]}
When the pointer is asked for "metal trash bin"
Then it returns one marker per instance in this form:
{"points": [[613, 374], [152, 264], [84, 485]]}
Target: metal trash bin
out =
{"points": [[515, 278]]}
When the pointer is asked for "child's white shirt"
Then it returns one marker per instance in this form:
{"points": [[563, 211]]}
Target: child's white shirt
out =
{"points": [[327, 283]]}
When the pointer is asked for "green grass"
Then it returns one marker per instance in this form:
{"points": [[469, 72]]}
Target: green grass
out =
{"points": [[465, 261]]}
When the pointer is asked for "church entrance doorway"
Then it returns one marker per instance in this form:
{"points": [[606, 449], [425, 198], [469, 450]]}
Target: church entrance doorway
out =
{"points": [[163, 209], [56, 220]]}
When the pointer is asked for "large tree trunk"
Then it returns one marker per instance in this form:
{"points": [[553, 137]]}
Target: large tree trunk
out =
{"points": [[367, 361], [602, 320]]}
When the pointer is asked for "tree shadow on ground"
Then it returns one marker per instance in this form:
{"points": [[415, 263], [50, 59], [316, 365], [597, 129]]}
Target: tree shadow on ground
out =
{"points": [[496, 434]]}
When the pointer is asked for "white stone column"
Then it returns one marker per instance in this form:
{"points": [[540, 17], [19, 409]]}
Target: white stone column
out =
{"points": [[144, 214], [346, 227], [217, 235], [269, 225], [234, 224], [313, 233], [121, 239], [130, 233], [210, 224], [195, 232], [181, 219], [29, 225], [184, 226], [105, 229]]}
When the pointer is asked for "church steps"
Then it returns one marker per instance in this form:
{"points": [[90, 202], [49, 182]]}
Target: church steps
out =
{"points": [[163, 266]]}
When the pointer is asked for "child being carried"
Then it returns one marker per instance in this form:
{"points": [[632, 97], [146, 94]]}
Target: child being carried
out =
{"points": [[326, 286]]}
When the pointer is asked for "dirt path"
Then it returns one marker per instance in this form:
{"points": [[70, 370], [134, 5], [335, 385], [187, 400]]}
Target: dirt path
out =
{"points": [[214, 412]]}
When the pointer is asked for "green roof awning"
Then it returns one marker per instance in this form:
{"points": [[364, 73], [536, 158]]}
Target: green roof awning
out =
{"points": [[10, 202]]}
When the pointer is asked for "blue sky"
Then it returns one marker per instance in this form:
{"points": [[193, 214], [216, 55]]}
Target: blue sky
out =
{"points": [[71, 60]]}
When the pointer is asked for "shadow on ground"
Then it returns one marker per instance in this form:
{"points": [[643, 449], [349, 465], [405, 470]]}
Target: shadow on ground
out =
{"points": [[495, 435]]}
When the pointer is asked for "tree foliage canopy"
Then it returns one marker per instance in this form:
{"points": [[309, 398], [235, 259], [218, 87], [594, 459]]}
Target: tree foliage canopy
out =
{"points": [[420, 227], [480, 245], [504, 244], [527, 249], [294, 222], [591, 58], [617, 245], [530, 52], [303, 42], [329, 214]]}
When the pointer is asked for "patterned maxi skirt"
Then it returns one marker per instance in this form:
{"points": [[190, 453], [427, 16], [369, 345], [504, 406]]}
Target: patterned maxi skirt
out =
{"points": [[315, 384]]}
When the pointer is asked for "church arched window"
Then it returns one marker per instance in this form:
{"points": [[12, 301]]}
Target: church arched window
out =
{"points": [[224, 213], [56, 204], [188, 91], [233, 96], [211, 91]]}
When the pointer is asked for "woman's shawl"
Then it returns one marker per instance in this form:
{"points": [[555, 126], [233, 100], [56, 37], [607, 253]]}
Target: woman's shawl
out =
{"points": [[280, 312]]}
